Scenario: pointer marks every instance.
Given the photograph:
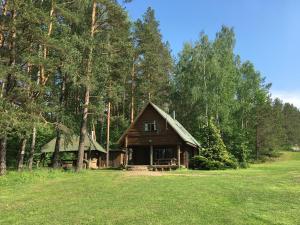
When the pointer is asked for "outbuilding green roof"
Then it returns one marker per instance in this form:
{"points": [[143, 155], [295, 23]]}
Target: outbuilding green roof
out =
{"points": [[71, 145]]}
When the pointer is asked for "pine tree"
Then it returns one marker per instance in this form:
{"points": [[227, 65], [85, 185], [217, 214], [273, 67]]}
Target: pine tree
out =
{"points": [[154, 62]]}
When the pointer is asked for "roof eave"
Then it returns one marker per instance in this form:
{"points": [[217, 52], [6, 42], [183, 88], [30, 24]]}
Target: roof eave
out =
{"points": [[192, 144]]}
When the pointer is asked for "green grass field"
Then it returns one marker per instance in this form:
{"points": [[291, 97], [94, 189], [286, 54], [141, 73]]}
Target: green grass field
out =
{"points": [[263, 194]]}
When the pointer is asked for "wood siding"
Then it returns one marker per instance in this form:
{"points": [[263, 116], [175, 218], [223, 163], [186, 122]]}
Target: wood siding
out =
{"points": [[165, 135]]}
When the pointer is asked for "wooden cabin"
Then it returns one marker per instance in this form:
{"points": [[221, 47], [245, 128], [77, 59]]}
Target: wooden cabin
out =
{"points": [[157, 140], [94, 153]]}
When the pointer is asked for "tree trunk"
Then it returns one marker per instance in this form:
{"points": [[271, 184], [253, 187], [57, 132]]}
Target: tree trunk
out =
{"points": [[101, 123], [132, 93], [3, 141], [55, 156], [12, 47], [83, 131], [107, 135], [32, 149], [124, 97], [257, 143], [83, 127], [3, 138], [14, 36], [93, 132], [206, 98], [43, 77], [21, 154], [2, 24]]}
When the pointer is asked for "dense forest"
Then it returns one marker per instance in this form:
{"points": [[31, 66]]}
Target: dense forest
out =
{"points": [[66, 65]]}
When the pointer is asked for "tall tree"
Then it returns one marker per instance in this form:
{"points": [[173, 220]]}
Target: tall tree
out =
{"points": [[88, 63], [154, 63]]}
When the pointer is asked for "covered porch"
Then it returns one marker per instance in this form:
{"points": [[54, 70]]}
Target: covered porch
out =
{"points": [[157, 157]]}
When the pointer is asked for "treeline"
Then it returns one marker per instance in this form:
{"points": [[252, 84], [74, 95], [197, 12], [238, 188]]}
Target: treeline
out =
{"points": [[66, 65], [213, 85]]}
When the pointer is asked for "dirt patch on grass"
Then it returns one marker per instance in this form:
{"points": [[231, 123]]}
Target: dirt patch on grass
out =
{"points": [[159, 174]]}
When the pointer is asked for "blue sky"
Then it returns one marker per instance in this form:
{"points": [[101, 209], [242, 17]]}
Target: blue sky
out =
{"points": [[267, 33]]}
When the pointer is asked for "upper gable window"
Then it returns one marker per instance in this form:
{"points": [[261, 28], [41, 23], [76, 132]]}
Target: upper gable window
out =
{"points": [[150, 126]]}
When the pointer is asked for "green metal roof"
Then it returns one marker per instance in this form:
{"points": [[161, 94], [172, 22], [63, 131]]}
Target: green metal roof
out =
{"points": [[71, 145], [180, 130]]}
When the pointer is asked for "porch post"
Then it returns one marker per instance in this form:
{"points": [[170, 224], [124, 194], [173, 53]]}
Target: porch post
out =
{"points": [[187, 155], [151, 155], [126, 151], [178, 155]]}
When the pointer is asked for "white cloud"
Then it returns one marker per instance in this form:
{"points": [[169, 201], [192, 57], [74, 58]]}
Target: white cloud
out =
{"points": [[292, 97]]}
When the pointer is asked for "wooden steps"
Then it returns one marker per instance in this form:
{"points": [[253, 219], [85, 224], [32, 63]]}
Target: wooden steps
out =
{"points": [[137, 167]]}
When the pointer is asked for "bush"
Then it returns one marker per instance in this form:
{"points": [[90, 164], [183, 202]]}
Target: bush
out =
{"points": [[231, 163], [213, 154], [201, 163]]}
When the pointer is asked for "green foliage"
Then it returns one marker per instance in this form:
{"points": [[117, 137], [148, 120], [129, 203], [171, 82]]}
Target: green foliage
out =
{"points": [[211, 81], [213, 152], [238, 147], [202, 163], [153, 61]]}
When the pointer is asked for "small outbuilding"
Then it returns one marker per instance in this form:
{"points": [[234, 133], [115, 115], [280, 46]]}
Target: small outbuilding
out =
{"points": [[94, 153]]}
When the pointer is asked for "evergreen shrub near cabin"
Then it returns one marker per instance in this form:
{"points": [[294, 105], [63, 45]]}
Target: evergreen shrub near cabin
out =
{"points": [[213, 152]]}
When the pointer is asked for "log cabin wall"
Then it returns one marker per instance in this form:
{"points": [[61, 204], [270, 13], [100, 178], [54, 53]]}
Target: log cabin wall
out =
{"points": [[165, 135]]}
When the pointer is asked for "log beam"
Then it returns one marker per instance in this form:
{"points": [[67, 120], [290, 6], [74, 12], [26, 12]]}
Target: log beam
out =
{"points": [[151, 155], [178, 155]]}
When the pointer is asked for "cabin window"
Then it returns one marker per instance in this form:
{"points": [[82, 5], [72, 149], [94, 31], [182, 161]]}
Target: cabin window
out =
{"points": [[150, 126]]}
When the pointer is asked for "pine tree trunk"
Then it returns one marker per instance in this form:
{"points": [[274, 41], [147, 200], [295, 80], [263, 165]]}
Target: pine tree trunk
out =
{"points": [[32, 149], [55, 156], [3, 141], [43, 77], [83, 127], [14, 36], [94, 132], [2, 89], [2, 40], [12, 46], [3, 138], [107, 135], [83, 131], [101, 121], [2, 26], [132, 94], [21, 154]]}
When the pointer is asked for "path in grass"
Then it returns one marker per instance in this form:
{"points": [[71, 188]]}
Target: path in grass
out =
{"points": [[263, 194]]}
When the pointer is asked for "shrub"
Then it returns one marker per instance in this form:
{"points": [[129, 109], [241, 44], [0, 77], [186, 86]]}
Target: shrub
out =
{"points": [[213, 154], [201, 163]]}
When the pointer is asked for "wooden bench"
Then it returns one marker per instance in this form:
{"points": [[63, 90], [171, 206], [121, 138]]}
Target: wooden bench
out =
{"points": [[163, 167], [166, 161]]}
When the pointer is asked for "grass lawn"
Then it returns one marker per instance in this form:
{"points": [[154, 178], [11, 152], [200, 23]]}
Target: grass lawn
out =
{"points": [[263, 194]]}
